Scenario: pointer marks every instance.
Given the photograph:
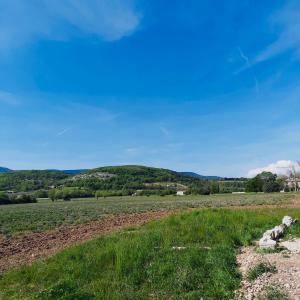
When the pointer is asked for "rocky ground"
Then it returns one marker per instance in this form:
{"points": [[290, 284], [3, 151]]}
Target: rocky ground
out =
{"points": [[286, 278]]}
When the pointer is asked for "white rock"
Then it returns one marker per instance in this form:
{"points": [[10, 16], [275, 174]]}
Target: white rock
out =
{"points": [[293, 246], [287, 220], [274, 233], [266, 243], [268, 234], [178, 248]]}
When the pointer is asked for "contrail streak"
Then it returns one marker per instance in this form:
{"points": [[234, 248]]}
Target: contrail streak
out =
{"points": [[249, 66]]}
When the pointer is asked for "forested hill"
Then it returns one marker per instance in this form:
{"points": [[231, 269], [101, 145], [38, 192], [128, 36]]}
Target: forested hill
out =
{"points": [[30, 180], [148, 174], [127, 180], [116, 177]]}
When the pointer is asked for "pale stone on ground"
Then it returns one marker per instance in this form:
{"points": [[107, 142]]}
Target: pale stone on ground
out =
{"points": [[292, 245], [271, 236], [287, 220], [267, 243]]}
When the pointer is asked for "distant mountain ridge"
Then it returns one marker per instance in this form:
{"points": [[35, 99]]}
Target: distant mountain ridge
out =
{"points": [[4, 170], [71, 172], [195, 175]]}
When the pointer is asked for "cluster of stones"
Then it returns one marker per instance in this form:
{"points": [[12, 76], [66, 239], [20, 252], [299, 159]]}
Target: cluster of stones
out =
{"points": [[271, 237]]}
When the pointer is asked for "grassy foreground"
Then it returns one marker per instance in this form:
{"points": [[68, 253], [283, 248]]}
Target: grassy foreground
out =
{"points": [[140, 263], [47, 215]]}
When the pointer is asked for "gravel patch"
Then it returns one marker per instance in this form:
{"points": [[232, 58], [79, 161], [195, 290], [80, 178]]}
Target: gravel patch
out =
{"points": [[287, 277]]}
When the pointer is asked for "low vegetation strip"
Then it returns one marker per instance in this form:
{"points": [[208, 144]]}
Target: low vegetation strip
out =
{"points": [[46, 215], [185, 256]]}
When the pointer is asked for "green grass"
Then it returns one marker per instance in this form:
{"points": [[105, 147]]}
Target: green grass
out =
{"points": [[273, 293], [260, 269], [139, 263], [292, 231], [46, 215]]}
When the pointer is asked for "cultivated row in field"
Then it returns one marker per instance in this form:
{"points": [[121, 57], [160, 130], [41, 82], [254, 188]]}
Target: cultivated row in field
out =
{"points": [[46, 215]]}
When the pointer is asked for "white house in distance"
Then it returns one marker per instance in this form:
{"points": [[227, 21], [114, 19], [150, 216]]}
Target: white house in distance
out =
{"points": [[180, 193], [293, 184]]}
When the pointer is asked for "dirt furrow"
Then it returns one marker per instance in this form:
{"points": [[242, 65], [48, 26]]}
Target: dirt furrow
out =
{"points": [[25, 249]]}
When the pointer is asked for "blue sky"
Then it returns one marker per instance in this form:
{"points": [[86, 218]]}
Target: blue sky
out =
{"points": [[206, 86]]}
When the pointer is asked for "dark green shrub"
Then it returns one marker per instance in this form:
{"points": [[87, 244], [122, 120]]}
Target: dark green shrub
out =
{"points": [[41, 194], [66, 289], [67, 197], [68, 193], [16, 199], [23, 198], [4, 199]]}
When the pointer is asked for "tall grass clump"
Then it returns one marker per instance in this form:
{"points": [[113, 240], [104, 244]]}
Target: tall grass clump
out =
{"points": [[185, 256], [259, 269], [273, 293]]}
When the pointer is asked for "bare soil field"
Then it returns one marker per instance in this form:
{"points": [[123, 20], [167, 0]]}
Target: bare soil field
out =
{"points": [[25, 249]]}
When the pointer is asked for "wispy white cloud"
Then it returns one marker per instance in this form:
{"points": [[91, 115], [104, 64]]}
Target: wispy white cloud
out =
{"points": [[91, 112], [108, 19], [24, 21], [132, 151], [280, 167], [9, 98], [62, 132], [286, 22], [165, 131]]}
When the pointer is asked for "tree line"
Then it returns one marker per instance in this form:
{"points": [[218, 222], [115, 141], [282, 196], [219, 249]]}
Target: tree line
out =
{"points": [[266, 182], [16, 199], [25, 181]]}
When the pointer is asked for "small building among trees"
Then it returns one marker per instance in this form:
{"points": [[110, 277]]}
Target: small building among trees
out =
{"points": [[180, 193]]}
